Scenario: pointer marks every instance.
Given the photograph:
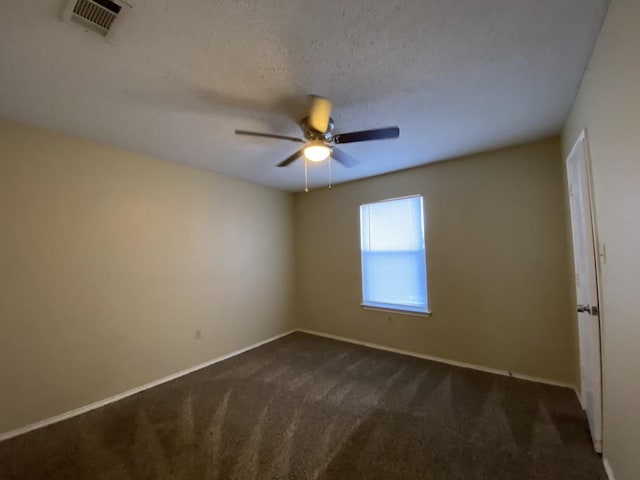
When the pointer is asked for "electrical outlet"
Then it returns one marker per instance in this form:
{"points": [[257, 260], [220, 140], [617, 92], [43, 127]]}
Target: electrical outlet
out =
{"points": [[198, 334]]}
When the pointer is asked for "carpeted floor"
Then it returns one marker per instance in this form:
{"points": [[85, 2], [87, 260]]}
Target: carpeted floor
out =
{"points": [[305, 407]]}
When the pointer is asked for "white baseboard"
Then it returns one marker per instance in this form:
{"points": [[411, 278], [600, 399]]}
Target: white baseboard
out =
{"points": [[608, 469], [440, 359], [580, 399], [133, 391]]}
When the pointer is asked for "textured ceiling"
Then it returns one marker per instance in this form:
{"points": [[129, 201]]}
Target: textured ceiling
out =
{"points": [[178, 76]]}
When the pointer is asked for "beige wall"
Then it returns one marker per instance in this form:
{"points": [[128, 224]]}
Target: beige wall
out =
{"points": [[109, 262], [497, 262], [608, 106]]}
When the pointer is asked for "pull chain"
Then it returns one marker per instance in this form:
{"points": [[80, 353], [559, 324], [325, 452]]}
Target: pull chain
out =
{"points": [[306, 178], [329, 160]]}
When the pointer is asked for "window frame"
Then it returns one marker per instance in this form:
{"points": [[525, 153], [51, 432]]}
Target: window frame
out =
{"points": [[393, 308]]}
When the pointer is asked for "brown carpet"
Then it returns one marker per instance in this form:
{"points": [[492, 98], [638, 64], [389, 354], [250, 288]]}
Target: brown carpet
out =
{"points": [[306, 407]]}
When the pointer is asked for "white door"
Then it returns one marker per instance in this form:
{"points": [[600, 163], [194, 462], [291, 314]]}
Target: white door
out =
{"points": [[586, 279]]}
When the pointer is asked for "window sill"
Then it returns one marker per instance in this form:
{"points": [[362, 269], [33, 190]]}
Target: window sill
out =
{"points": [[395, 310]]}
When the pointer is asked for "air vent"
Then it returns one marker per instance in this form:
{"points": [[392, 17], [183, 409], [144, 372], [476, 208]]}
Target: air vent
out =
{"points": [[95, 15]]}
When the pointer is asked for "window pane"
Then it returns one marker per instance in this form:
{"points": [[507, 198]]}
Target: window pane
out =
{"points": [[393, 254], [393, 225]]}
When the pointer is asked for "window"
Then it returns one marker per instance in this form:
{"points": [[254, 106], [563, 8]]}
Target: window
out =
{"points": [[394, 267]]}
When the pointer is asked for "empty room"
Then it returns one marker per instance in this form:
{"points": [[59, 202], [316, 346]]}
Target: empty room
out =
{"points": [[319, 240]]}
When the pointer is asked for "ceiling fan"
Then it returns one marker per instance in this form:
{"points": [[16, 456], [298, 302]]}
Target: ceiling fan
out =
{"points": [[319, 139]]}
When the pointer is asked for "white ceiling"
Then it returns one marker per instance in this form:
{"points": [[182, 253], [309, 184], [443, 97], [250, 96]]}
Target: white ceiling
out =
{"points": [[178, 76]]}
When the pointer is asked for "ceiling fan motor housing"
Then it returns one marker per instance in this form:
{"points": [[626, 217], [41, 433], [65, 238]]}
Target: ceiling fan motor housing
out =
{"points": [[312, 134]]}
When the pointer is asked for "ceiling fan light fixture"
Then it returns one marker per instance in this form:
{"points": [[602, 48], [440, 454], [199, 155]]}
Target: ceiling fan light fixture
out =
{"points": [[319, 140], [317, 152]]}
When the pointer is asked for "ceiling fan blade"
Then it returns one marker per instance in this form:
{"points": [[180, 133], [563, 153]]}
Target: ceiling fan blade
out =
{"points": [[269, 135], [365, 135], [320, 113], [292, 158], [344, 158]]}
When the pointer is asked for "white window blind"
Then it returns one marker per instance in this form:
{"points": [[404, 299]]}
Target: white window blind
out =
{"points": [[394, 268]]}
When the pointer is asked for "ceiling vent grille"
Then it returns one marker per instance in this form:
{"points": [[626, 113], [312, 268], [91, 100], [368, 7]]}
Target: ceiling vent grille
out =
{"points": [[95, 15]]}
